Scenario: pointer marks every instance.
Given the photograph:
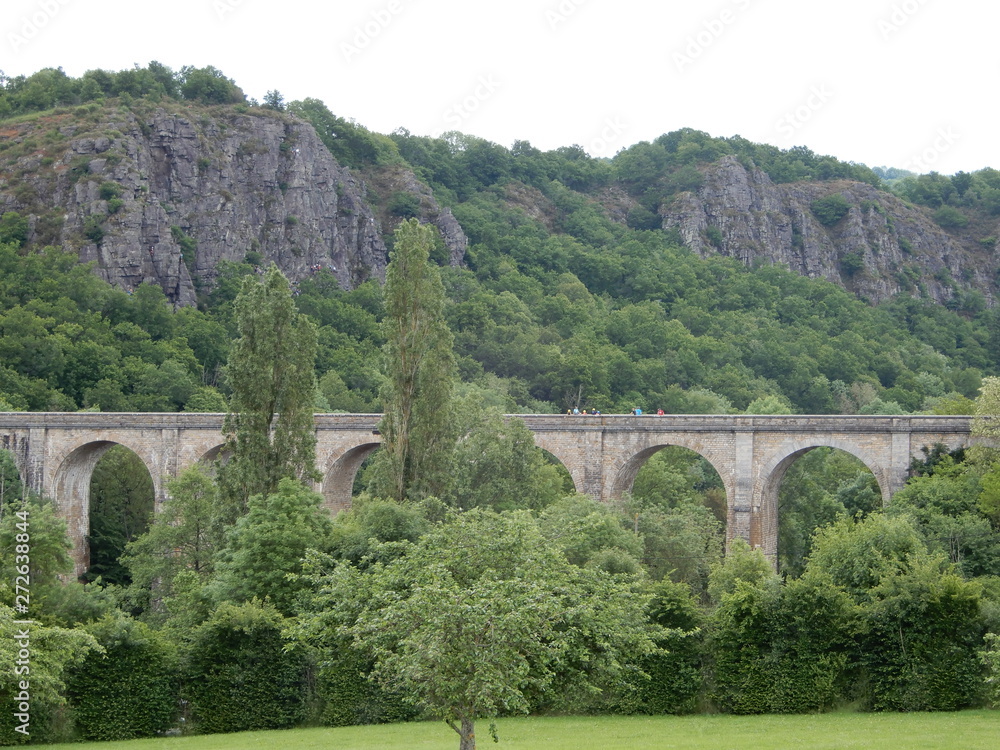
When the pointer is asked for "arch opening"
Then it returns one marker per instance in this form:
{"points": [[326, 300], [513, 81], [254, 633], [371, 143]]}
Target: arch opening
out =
{"points": [[676, 501], [816, 486], [214, 456], [71, 491], [567, 485], [344, 479], [12, 487], [121, 506]]}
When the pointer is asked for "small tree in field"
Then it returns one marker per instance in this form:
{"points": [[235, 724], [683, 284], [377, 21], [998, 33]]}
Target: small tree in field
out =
{"points": [[482, 617]]}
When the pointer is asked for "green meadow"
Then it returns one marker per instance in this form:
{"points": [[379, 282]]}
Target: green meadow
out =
{"points": [[965, 730]]}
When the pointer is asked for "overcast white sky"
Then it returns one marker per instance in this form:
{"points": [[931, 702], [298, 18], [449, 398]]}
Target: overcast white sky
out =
{"points": [[906, 83]]}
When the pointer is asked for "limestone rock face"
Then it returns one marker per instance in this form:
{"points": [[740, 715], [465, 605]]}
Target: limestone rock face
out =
{"points": [[163, 198], [881, 247]]}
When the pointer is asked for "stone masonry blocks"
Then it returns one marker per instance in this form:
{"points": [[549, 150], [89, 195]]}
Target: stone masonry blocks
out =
{"points": [[56, 453]]}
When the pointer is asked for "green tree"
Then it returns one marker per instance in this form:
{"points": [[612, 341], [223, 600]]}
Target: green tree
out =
{"points": [[269, 426], [417, 427], [54, 651], [265, 549], [209, 85], [675, 674], [588, 532], [782, 648], [11, 487], [496, 465], [985, 455], [274, 100], [920, 620], [49, 549], [483, 617], [184, 535], [986, 424], [742, 563], [14, 228], [358, 533]]}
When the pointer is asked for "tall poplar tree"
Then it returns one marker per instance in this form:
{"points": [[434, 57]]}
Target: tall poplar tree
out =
{"points": [[418, 428], [269, 428], [986, 453]]}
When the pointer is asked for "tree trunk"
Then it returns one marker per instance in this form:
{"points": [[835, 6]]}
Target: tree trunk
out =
{"points": [[466, 733], [467, 736]]}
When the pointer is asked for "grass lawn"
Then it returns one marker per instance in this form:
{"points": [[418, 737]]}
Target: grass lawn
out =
{"points": [[966, 730]]}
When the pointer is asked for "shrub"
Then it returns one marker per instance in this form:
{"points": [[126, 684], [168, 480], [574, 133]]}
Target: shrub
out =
{"points": [[714, 236], [831, 209], [109, 190], [949, 217], [93, 228], [128, 691], [238, 675], [349, 698], [852, 262], [675, 675], [14, 228], [404, 205]]}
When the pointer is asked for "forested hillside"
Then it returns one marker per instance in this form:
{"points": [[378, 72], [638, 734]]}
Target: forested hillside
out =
{"points": [[564, 288], [168, 245]]}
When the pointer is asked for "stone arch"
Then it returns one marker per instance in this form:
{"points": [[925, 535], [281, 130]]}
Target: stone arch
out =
{"points": [[558, 462], [338, 480], [16, 447], [764, 513], [70, 492], [18, 470], [215, 453], [552, 444], [624, 471]]}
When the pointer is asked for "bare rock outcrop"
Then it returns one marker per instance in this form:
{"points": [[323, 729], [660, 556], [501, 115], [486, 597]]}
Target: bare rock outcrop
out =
{"points": [[880, 247], [163, 196]]}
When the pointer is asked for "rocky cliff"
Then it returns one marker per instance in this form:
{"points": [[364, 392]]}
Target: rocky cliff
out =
{"points": [[162, 194], [880, 247]]}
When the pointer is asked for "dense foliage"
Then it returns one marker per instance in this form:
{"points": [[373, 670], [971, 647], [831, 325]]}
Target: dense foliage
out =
{"points": [[127, 689]]}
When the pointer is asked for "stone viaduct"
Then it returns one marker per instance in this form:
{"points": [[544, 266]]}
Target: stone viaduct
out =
{"points": [[56, 453]]}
